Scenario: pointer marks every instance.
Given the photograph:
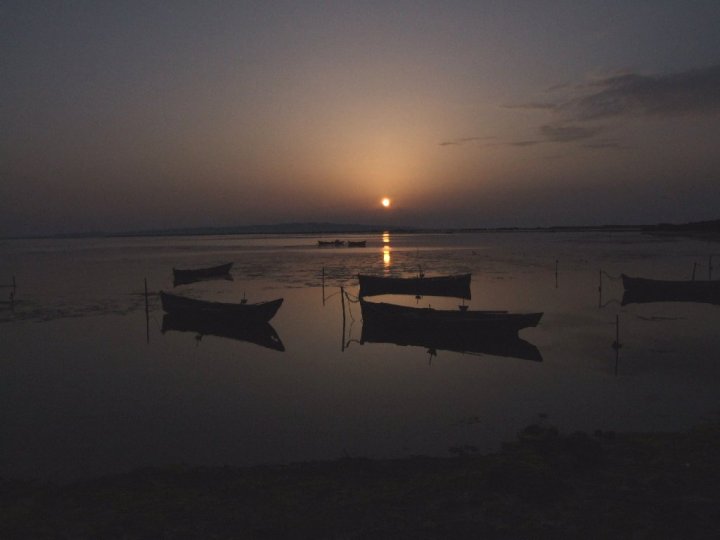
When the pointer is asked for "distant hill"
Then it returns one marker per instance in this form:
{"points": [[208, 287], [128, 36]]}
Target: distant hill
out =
{"points": [[712, 226], [280, 228], [706, 229]]}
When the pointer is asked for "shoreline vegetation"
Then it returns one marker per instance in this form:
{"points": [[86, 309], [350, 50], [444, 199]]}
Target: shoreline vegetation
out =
{"points": [[701, 229], [543, 485]]}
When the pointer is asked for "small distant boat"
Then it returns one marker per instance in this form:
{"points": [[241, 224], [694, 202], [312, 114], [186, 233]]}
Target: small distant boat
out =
{"points": [[247, 313], [196, 274], [334, 243], [643, 290], [438, 321], [358, 243], [221, 325], [456, 286]]}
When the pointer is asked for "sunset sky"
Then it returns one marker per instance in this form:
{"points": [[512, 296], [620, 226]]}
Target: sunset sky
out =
{"points": [[120, 116]]}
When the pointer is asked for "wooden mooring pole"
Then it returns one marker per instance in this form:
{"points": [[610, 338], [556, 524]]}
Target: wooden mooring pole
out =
{"points": [[342, 301], [13, 287], [147, 313], [617, 345]]}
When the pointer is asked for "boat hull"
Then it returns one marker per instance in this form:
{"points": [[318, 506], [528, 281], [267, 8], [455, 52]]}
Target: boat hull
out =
{"points": [[642, 290], [438, 322], [261, 312], [181, 276], [455, 286]]}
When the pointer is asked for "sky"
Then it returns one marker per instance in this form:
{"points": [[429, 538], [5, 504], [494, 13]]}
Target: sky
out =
{"points": [[122, 116]]}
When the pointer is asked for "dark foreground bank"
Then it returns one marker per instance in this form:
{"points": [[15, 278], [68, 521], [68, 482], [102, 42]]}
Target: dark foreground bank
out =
{"points": [[545, 485]]}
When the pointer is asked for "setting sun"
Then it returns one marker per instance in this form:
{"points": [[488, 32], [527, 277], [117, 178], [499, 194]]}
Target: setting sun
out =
{"points": [[385, 202]]}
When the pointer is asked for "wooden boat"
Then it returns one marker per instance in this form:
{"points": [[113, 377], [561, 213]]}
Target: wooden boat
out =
{"points": [[357, 243], [642, 290], [221, 325], [457, 286], [196, 274], [334, 243], [438, 321], [261, 312], [448, 339]]}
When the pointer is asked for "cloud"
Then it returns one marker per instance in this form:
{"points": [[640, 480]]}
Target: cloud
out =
{"points": [[689, 92], [560, 86], [557, 133], [577, 112], [695, 91], [495, 143], [549, 133], [567, 133], [606, 144], [523, 143], [532, 106], [630, 95], [464, 140]]}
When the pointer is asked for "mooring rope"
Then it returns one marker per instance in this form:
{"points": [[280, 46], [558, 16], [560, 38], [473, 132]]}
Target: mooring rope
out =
{"points": [[328, 297], [158, 323], [354, 299]]}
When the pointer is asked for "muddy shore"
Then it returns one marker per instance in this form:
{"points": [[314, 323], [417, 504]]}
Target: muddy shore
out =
{"points": [[544, 485]]}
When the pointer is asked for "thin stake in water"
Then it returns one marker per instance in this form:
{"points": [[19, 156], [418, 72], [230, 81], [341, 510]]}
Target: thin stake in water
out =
{"points": [[147, 313]]}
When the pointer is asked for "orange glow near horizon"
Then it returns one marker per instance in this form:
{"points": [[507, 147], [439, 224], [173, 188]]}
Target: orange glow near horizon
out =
{"points": [[385, 202]]}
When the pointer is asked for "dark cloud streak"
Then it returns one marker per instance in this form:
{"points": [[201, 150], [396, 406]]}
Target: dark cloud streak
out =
{"points": [[690, 92], [695, 91], [464, 140], [607, 144], [630, 95], [523, 143], [532, 106], [567, 133]]}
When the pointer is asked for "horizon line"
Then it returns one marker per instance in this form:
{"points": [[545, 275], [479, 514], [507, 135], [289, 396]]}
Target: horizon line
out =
{"points": [[320, 228]]}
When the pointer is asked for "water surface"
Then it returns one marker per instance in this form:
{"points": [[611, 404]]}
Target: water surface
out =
{"points": [[88, 387]]}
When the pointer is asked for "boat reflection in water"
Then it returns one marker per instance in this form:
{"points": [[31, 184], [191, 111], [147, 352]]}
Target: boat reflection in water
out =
{"points": [[457, 286], [478, 332], [641, 290], [223, 326], [186, 276], [243, 321]]}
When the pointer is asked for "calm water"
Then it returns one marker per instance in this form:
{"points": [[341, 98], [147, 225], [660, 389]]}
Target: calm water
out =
{"points": [[87, 387]]}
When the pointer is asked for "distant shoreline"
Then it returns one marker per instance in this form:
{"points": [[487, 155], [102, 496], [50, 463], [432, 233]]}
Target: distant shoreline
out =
{"points": [[709, 230]]}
